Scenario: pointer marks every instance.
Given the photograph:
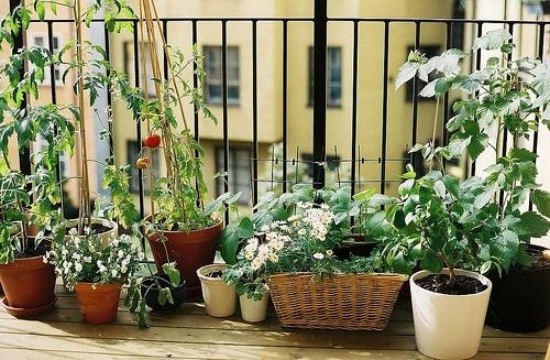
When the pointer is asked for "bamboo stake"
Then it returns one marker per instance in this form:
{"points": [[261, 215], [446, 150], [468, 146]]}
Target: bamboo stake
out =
{"points": [[85, 207]]}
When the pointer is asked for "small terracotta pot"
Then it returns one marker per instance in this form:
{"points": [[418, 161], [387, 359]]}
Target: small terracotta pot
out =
{"points": [[98, 302]]}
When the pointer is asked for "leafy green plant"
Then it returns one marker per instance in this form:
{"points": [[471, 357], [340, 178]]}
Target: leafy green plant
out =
{"points": [[272, 208], [178, 197], [484, 217], [58, 125]]}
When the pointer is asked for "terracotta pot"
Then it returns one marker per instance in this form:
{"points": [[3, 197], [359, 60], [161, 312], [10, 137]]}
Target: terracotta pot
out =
{"points": [[98, 302], [220, 299], [190, 251], [28, 283]]}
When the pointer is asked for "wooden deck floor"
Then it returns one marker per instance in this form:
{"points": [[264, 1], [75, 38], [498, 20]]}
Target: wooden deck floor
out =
{"points": [[191, 334]]}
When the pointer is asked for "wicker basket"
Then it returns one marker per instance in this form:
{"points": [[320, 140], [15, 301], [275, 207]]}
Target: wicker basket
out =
{"points": [[346, 301]]}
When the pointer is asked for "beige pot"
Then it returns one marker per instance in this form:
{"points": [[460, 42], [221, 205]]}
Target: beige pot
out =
{"points": [[220, 299], [105, 236], [254, 310]]}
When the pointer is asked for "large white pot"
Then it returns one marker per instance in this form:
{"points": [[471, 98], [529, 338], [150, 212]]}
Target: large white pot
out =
{"points": [[220, 299], [448, 326], [254, 310]]}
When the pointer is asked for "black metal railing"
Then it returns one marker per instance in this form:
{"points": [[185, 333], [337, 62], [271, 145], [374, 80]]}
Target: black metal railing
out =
{"points": [[358, 154]]}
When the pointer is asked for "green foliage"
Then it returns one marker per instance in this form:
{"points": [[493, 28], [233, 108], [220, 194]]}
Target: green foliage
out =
{"points": [[479, 223]]}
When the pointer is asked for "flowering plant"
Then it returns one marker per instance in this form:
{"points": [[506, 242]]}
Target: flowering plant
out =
{"points": [[302, 243], [92, 259]]}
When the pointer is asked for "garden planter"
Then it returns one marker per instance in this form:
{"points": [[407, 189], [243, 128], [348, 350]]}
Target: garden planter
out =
{"points": [[28, 286], [104, 223], [254, 310], [150, 288], [190, 251], [344, 301], [220, 299], [98, 302], [448, 326], [520, 300]]}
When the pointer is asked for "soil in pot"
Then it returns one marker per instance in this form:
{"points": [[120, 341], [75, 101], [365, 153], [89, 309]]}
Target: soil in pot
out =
{"points": [[441, 284], [150, 292]]}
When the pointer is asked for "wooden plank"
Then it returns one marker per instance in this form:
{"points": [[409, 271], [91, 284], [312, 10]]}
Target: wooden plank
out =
{"points": [[46, 349], [237, 336]]}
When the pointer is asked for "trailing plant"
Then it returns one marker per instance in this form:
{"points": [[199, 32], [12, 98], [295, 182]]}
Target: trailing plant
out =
{"points": [[484, 217]]}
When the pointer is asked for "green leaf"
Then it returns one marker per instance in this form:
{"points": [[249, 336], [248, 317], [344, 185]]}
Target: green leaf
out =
{"points": [[541, 199], [533, 224], [522, 155], [405, 73], [492, 40], [431, 262]]}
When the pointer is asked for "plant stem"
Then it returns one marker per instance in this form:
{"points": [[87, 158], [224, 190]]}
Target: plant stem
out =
{"points": [[434, 130]]}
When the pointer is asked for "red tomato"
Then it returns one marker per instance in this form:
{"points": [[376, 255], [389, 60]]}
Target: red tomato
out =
{"points": [[151, 141]]}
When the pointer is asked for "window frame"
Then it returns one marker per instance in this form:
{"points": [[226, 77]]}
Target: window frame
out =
{"points": [[331, 103], [214, 78], [58, 69]]}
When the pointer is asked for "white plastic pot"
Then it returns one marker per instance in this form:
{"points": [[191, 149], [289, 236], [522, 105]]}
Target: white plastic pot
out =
{"points": [[448, 326], [254, 310], [220, 299]]}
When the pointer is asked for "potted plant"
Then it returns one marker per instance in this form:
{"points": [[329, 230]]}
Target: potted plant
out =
{"points": [[97, 271], [445, 228], [28, 283], [220, 298], [180, 227], [163, 292], [248, 275], [510, 96], [304, 275]]}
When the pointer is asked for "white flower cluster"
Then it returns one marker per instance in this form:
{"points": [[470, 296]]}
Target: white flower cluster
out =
{"points": [[311, 225], [89, 258]]}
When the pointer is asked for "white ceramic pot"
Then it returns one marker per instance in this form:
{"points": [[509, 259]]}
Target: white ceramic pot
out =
{"points": [[448, 326], [254, 310], [105, 236], [220, 299]]}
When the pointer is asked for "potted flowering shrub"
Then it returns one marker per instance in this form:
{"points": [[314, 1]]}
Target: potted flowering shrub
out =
{"points": [[248, 275], [97, 271]]}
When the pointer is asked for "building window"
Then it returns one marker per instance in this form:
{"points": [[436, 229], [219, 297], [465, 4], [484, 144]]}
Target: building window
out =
{"points": [[133, 154], [130, 66], [239, 173], [214, 74], [334, 76], [42, 40]]}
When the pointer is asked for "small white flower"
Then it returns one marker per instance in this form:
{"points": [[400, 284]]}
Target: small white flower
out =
{"points": [[78, 267], [318, 256], [329, 252], [302, 232], [114, 273]]}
